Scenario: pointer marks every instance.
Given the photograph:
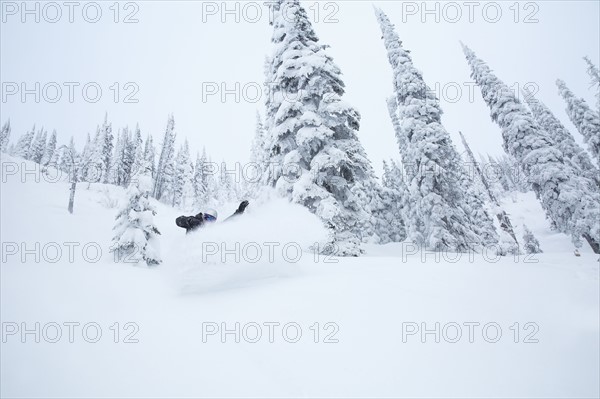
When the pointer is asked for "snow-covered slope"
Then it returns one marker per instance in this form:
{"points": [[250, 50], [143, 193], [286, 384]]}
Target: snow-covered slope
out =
{"points": [[365, 308]]}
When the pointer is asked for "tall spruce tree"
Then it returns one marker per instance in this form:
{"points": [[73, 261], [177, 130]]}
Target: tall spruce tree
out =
{"points": [[50, 149], [150, 156], [105, 149], [583, 117], [312, 147], [38, 146], [201, 182], [23, 147], [565, 195], [5, 136], [137, 154], [444, 212], [183, 177], [564, 140], [594, 73], [501, 215], [165, 170]]}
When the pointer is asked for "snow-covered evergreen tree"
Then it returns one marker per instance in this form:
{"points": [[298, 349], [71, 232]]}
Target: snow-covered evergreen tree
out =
{"points": [[5, 136], [564, 140], [311, 134], [117, 171], [86, 160], [444, 212], [100, 158], [530, 243], [50, 149], [137, 154], [226, 185], [123, 159], [583, 117], [136, 235], [510, 245], [23, 147], [165, 171], [38, 146], [594, 73], [150, 155], [258, 160], [105, 149], [395, 199], [564, 194], [202, 182], [182, 181]]}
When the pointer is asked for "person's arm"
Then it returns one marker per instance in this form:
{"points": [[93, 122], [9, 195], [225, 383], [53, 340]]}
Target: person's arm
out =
{"points": [[239, 211], [189, 222]]}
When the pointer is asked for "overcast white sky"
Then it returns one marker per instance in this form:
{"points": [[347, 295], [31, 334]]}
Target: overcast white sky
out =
{"points": [[175, 48]]}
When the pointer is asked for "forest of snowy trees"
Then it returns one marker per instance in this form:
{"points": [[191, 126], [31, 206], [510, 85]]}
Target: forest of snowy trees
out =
{"points": [[307, 149]]}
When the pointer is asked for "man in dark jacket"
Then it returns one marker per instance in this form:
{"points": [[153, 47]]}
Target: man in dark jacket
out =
{"points": [[191, 223]]}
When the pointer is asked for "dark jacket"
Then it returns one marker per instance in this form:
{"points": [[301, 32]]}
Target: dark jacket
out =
{"points": [[191, 223]]}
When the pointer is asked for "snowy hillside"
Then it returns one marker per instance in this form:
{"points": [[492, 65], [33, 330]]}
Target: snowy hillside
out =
{"points": [[369, 310]]}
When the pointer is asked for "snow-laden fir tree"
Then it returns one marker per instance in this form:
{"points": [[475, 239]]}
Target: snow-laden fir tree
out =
{"points": [[50, 149], [565, 142], [136, 153], [564, 194], [121, 160], [444, 212], [258, 160], [105, 149], [38, 146], [165, 170], [312, 146], [226, 185], [182, 183], [150, 155], [510, 244], [594, 73], [99, 161], [202, 182], [509, 173], [87, 167], [136, 235], [583, 117], [5, 136], [23, 147], [530, 243], [395, 199]]}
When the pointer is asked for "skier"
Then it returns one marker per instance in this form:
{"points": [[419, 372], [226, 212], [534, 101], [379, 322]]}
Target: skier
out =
{"points": [[191, 223]]}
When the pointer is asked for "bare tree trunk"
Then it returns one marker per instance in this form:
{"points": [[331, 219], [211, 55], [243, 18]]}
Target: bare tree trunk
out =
{"points": [[593, 243], [72, 196]]}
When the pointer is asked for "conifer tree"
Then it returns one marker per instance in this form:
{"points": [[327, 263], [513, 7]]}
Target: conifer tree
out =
{"points": [[530, 243], [50, 149], [5, 136], [565, 195], [594, 73], [585, 119], [136, 235], [165, 170], [564, 140], [444, 212], [23, 146], [311, 142]]}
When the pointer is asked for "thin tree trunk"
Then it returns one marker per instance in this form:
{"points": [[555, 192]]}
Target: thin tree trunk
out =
{"points": [[72, 196], [593, 243]]}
